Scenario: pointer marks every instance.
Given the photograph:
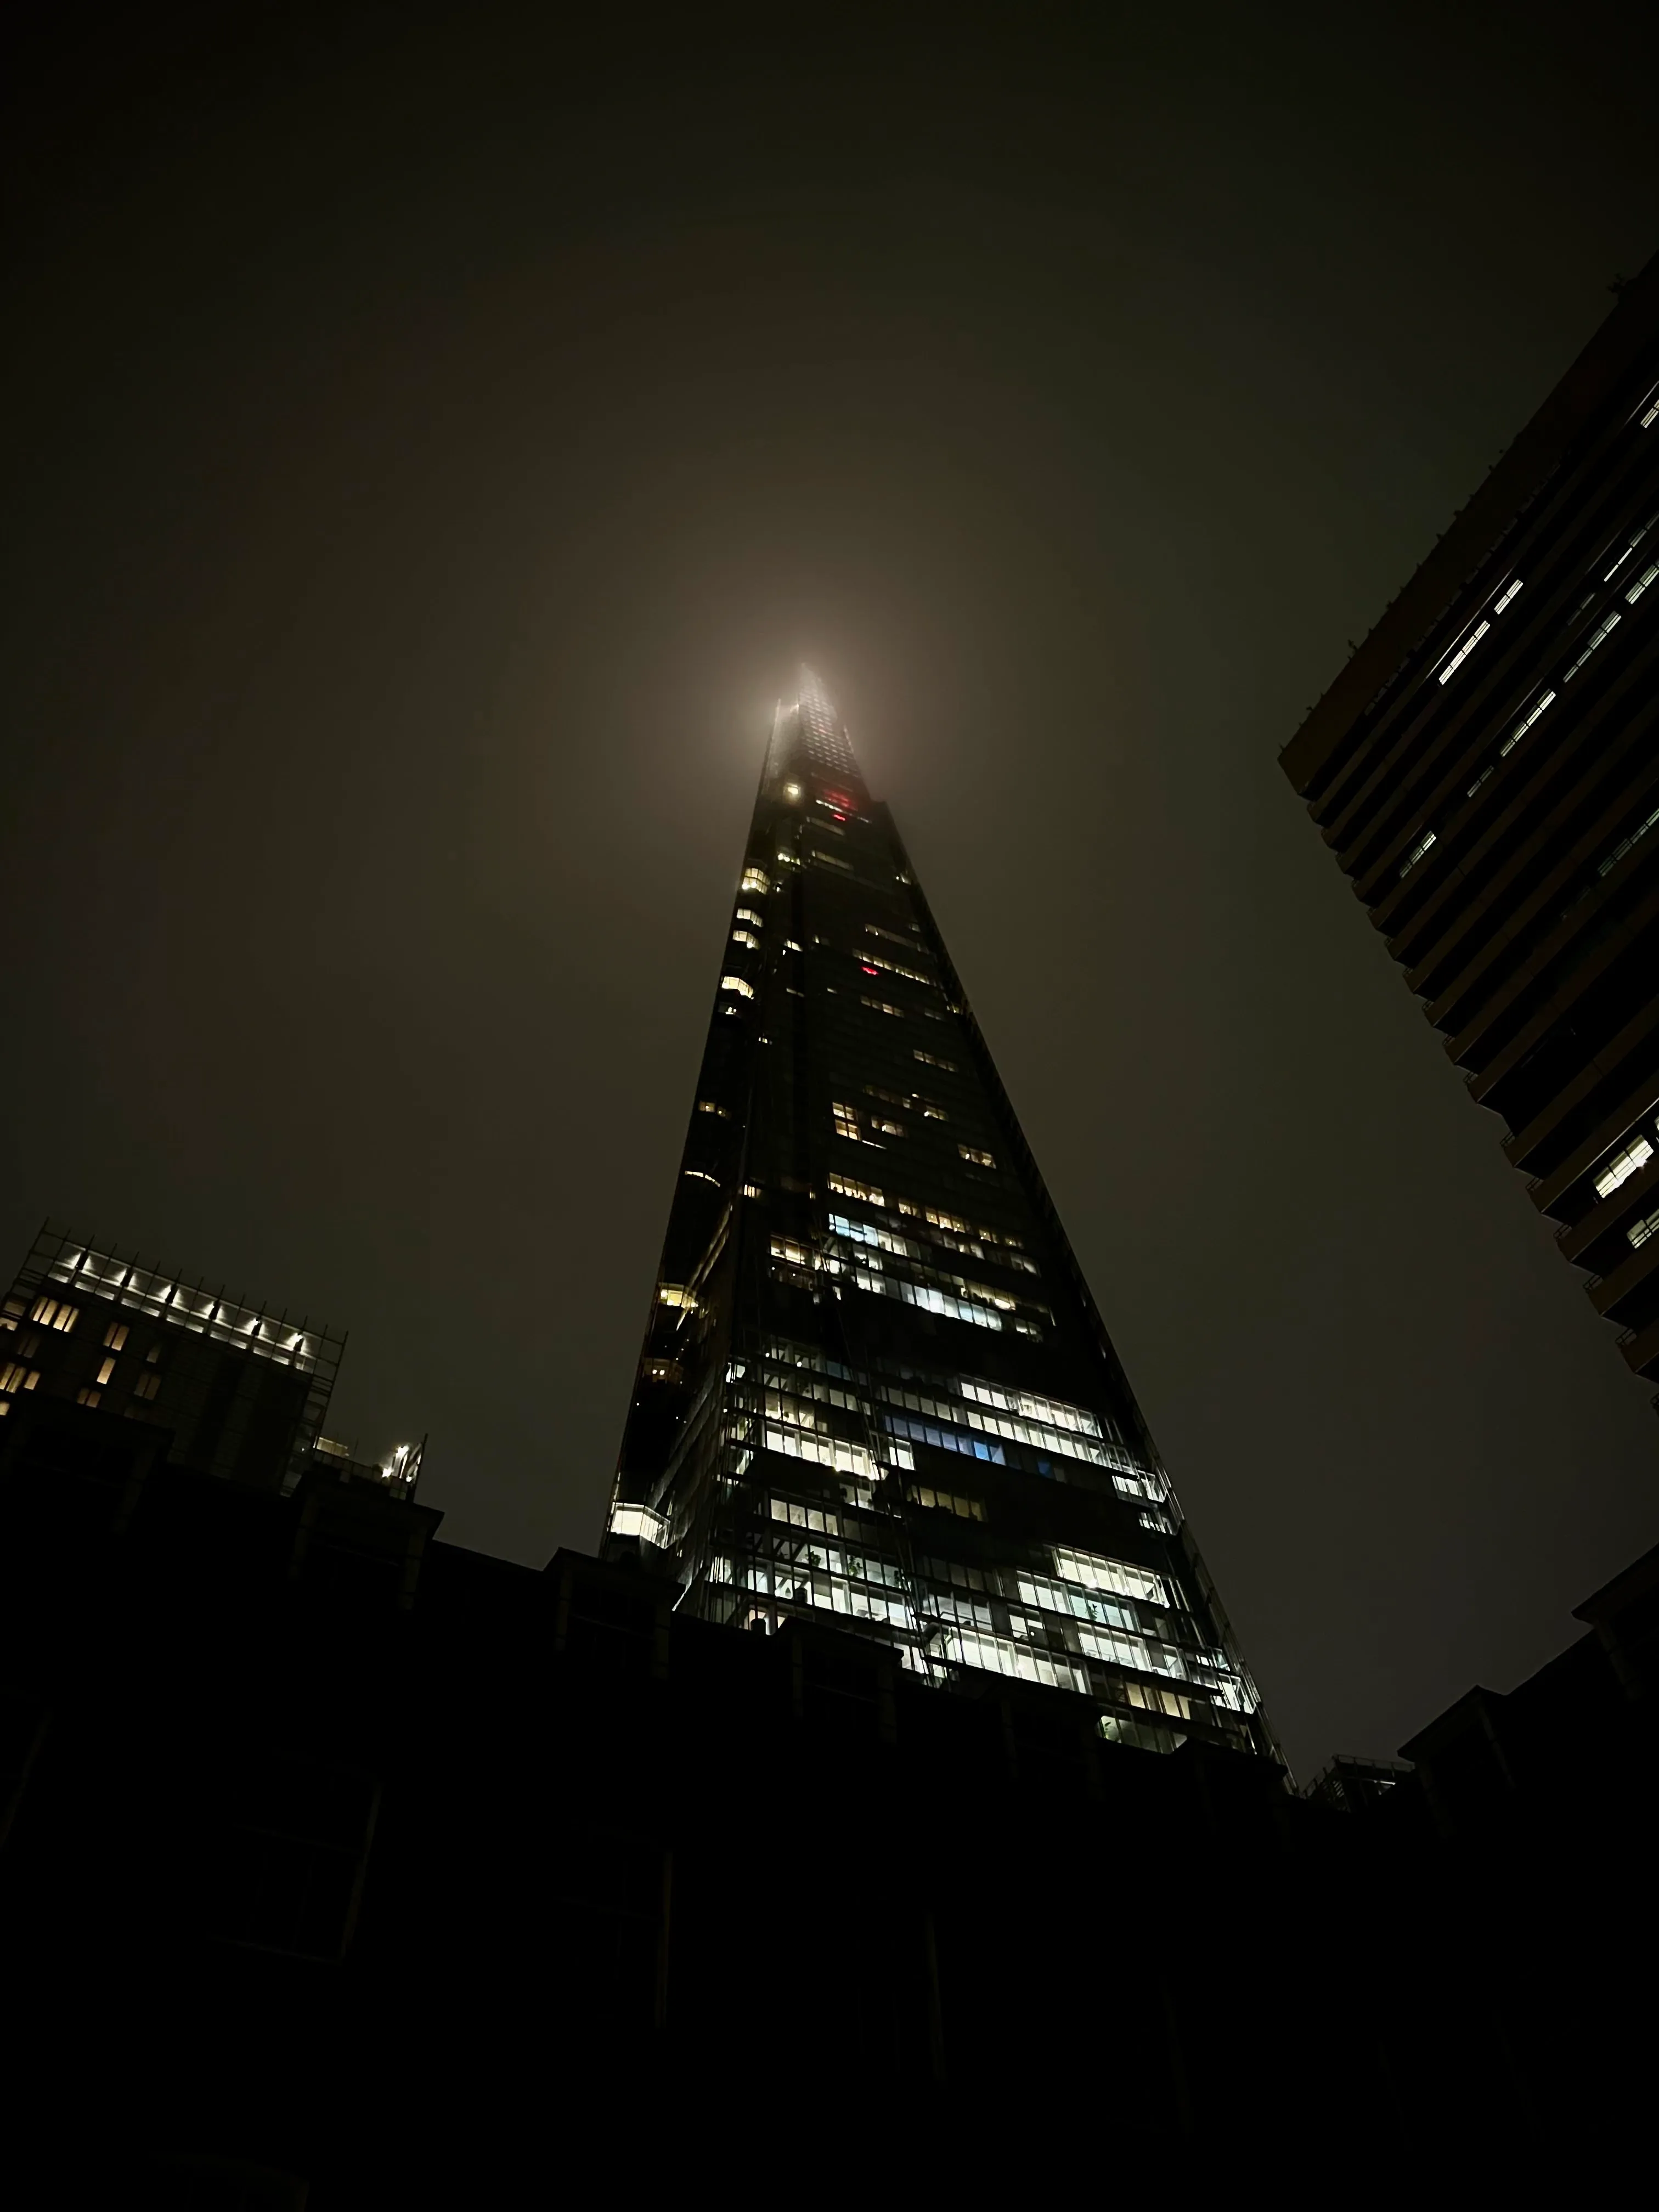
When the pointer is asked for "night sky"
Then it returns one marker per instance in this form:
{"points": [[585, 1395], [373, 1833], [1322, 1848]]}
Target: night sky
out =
{"points": [[433, 439]]}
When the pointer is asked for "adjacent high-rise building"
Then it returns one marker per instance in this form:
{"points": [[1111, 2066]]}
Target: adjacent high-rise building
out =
{"points": [[234, 1389], [1486, 771], [874, 1386]]}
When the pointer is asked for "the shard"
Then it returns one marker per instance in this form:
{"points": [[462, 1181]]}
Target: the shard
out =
{"points": [[874, 1387]]}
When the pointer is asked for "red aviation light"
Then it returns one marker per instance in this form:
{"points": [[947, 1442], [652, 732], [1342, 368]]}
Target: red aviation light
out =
{"points": [[868, 969]]}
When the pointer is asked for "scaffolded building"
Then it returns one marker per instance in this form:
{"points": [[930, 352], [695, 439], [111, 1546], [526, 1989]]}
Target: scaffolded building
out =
{"points": [[874, 1385], [241, 1390]]}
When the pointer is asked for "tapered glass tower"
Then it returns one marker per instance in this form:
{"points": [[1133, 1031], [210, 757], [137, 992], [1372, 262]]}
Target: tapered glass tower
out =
{"points": [[874, 1386]]}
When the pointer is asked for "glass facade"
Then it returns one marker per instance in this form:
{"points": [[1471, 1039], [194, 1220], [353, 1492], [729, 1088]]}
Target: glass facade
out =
{"points": [[1485, 772], [874, 1387]]}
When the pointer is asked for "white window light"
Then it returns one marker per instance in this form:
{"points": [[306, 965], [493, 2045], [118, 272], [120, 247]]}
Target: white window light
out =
{"points": [[747, 913], [1604, 631], [755, 879], [1463, 652], [736, 983], [1631, 544], [1416, 851], [746, 937], [1640, 1232], [1652, 414], [1513, 592], [1523, 726], [1641, 584], [639, 1521], [1625, 1163], [1620, 850]]}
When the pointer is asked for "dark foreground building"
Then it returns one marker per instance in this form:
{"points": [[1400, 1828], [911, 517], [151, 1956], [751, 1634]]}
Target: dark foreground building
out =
{"points": [[875, 1389], [340, 1866], [1486, 771]]}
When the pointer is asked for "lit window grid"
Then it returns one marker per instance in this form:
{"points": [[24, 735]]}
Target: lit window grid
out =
{"points": [[935, 1217], [812, 1569], [1097, 1585], [1629, 1160], [202, 1310], [1606, 867], [1048, 1424]]}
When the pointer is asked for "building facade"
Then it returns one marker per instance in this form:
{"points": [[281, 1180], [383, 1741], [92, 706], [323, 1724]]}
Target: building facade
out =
{"points": [[227, 1386], [874, 1387], [1486, 771]]}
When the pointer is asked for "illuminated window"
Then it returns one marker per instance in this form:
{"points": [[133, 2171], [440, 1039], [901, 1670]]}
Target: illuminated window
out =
{"points": [[115, 1336], [106, 1372], [1641, 584], [1651, 415], [15, 1376], [676, 1295], [847, 1124], [1640, 1232], [1597, 636], [147, 1386], [736, 983], [1093, 1572], [708, 1106], [942, 1501], [1416, 851], [926, 1432], [927, 1299], [870, 962], [700, 1175], [909, 1100], [977, 1158], [881, 1006], [88, 1397], [744, 937], [843, 1188], [1522, 727], [747, 913], [755, 879], [1606, 866], [639, 1521], [1504, 600], [1622, 1165], [53, 1313], [785, 1248], [1463, 652], [929, 1060], [153, 1355]]}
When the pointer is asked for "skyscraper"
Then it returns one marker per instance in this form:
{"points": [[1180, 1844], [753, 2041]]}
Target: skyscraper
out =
{"points": [[1486, 771], [874, 1386]]}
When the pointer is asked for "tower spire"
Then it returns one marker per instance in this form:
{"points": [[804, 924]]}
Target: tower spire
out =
{"points": [[873, 1386]]}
